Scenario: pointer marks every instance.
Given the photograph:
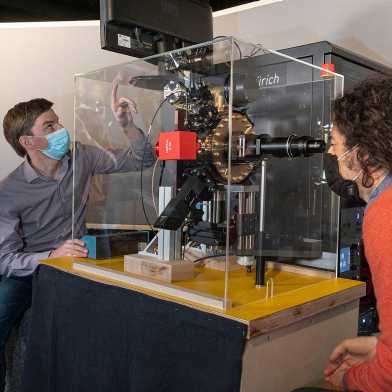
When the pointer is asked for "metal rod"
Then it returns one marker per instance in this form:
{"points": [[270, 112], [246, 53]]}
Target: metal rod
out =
{"points": [[262, 193], [260, 260], [260, 271]]}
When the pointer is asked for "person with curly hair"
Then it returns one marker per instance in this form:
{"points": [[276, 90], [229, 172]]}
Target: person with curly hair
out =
{"points": [[361, 142]]}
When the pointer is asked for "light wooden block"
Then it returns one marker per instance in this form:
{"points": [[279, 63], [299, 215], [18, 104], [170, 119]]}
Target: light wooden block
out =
{"points": [[219, 264], [216, 263], [166, 271], [159, 288]]}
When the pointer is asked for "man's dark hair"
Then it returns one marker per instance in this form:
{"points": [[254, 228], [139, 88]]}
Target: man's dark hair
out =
{"points": [[364, 117], [20, 119]]}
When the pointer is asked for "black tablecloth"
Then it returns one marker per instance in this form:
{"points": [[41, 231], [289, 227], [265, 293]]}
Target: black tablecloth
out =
{"points": [[88, 336]]}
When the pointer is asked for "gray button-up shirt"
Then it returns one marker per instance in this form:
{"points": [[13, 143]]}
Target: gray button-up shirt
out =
{"points": [[36, 211]]}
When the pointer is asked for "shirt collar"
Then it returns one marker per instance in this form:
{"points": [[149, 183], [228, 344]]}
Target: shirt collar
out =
{"points": [[381, 188], [31, 174]]}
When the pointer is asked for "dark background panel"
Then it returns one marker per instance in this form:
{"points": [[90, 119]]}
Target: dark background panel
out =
{"points": [[51, 10]]}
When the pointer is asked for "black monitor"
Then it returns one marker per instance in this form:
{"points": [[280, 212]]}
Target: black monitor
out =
{"points": [[142, 28]]}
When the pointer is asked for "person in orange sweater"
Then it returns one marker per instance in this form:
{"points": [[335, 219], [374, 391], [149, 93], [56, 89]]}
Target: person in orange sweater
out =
{"points": [[361, 142]]}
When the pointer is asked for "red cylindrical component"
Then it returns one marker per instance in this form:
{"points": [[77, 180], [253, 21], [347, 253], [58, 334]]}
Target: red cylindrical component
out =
{"points": [[327, 67]]}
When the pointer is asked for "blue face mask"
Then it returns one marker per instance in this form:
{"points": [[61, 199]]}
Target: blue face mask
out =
{"points": [[58, 144]]}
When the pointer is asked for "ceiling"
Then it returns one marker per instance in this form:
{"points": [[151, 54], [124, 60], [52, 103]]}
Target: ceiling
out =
{"points": [[50, 10]]}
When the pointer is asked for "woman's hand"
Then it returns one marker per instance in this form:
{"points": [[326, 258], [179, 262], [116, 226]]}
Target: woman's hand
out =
{"points": [[349, 353]]}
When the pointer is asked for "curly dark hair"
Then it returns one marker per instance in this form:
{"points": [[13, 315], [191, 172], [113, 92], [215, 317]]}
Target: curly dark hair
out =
{"points": [[364, 117], [21, 118]]}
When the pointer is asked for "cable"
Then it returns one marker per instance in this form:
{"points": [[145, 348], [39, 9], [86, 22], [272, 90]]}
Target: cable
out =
{"points": [[239, 49], [144, 154], [161, 174], [159, 182], [234, 41], [152, 186], [207, 257], [257, 49]]}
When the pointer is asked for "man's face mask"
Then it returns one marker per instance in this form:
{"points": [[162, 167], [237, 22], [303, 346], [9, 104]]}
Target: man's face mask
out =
{"points": [[58, 144]]}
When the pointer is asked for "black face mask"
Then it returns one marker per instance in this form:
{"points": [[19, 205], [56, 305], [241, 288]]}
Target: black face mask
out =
{"points": [[344, 188]]}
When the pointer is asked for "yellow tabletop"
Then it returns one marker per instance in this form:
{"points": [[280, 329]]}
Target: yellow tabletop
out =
{"points": [[296, 295]]}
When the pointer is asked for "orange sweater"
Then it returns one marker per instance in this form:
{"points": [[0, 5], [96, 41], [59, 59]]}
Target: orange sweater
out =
{"points": [[376, 375]]}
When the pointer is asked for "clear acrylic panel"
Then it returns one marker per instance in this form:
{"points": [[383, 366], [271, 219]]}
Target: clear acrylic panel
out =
{"points": [[284, 210], [215, 153]]}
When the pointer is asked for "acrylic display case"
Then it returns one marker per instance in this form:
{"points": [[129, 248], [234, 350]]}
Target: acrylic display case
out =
{"points": [[215, 154]]}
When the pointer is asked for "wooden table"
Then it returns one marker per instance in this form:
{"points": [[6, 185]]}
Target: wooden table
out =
{"points": [[290, 335]]}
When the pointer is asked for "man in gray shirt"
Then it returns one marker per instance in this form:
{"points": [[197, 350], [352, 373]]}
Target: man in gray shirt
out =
{"points": [[36, 198]]}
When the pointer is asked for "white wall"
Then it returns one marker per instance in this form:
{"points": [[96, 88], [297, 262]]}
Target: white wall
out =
{"points": [[39, 60], [364, 26]]}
